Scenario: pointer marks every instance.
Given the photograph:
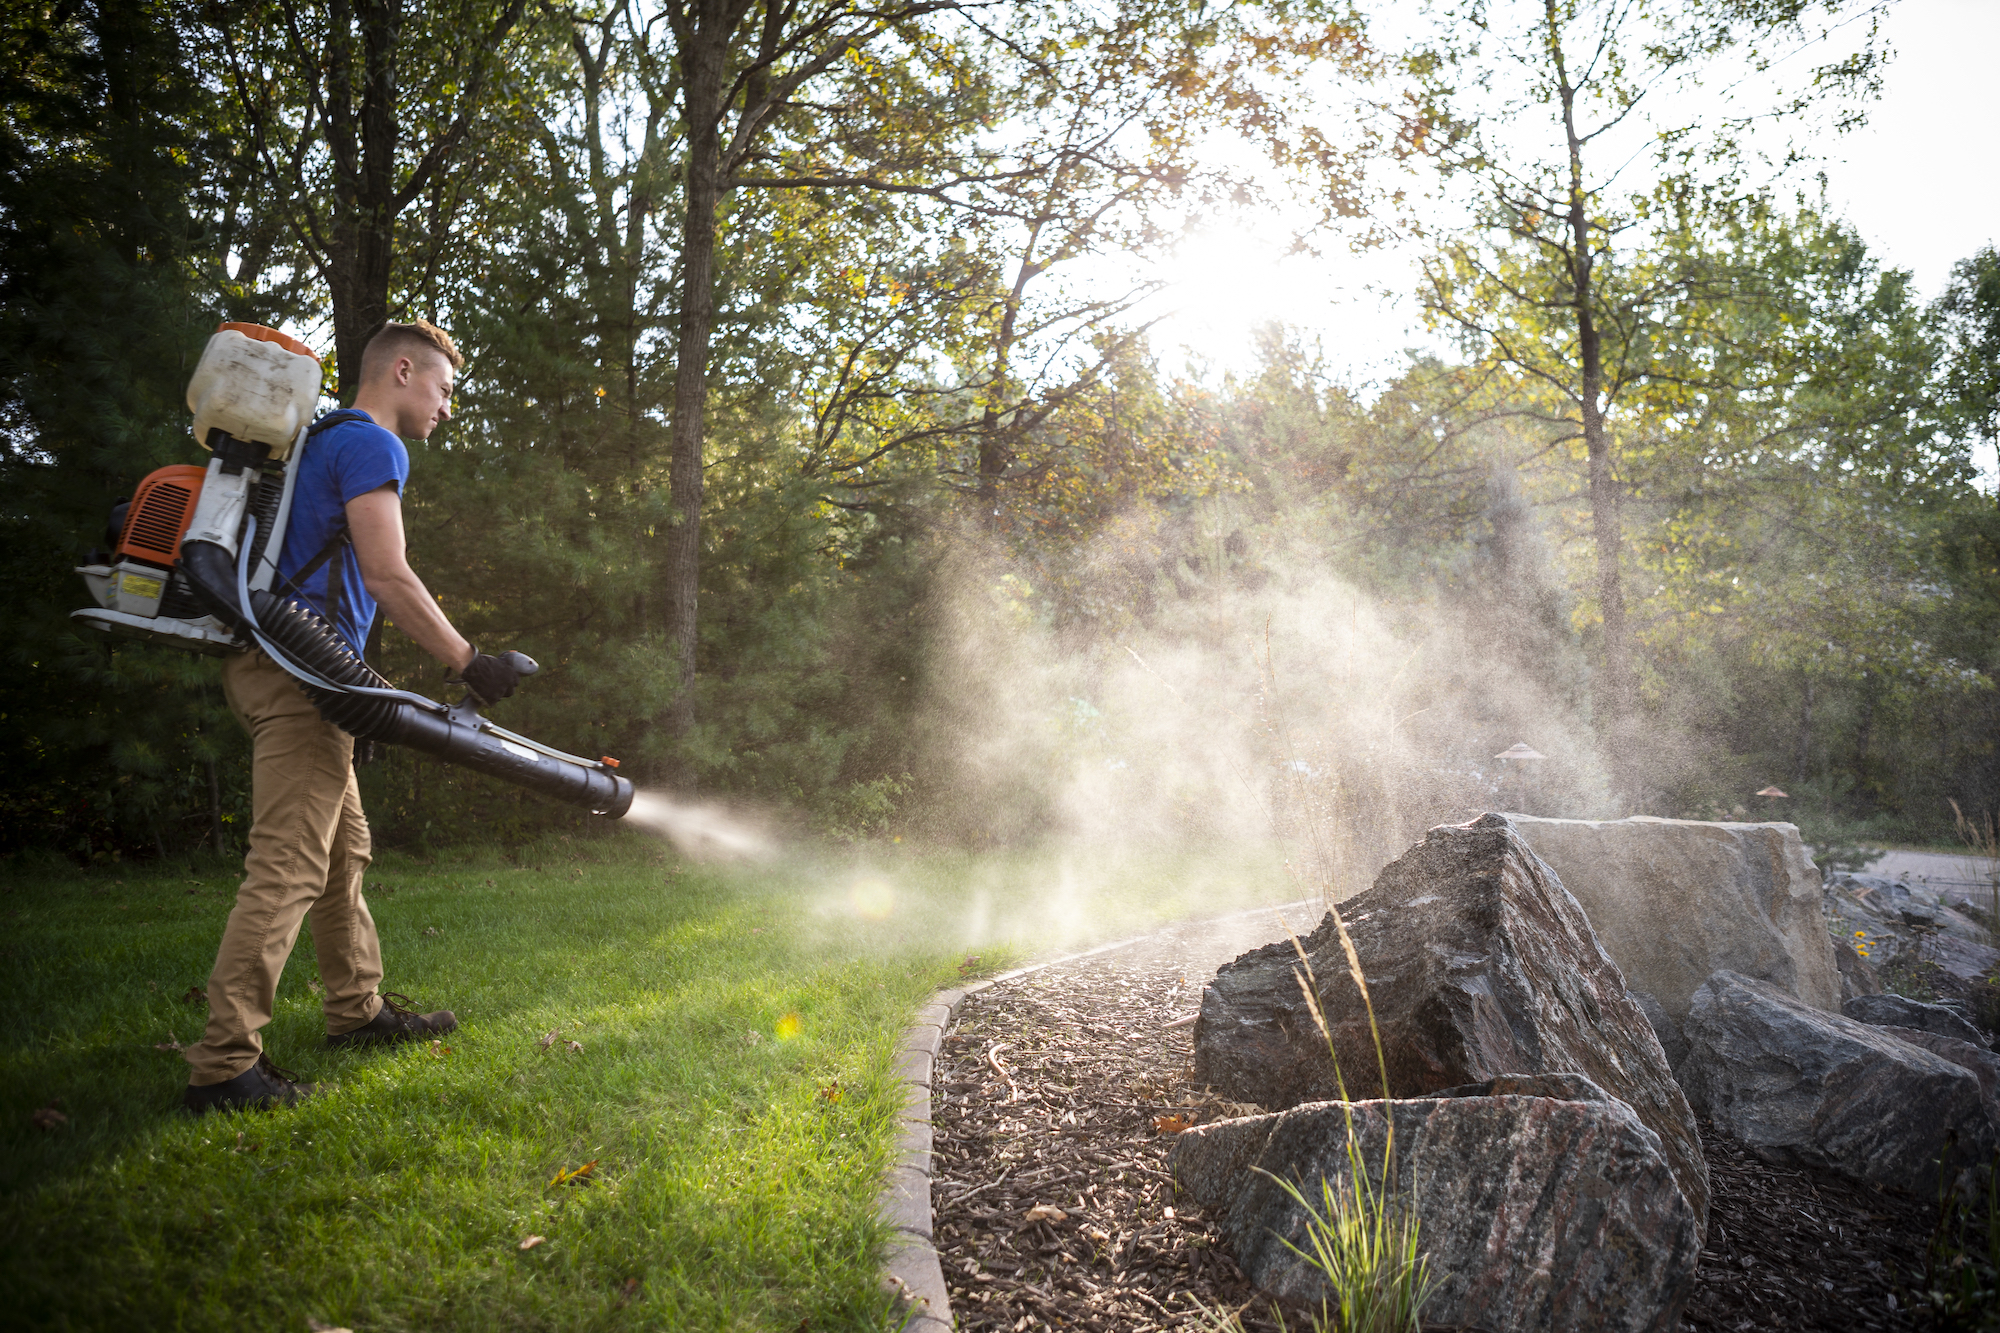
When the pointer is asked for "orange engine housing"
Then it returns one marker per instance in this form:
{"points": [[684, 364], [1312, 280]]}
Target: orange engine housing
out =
{"points": [[160, 512]]}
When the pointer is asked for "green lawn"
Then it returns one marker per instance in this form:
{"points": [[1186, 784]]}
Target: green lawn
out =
{"points": [[716, 1011]]}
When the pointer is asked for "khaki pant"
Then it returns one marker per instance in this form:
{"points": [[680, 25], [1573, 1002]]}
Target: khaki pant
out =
{"points": [[308, 851]]}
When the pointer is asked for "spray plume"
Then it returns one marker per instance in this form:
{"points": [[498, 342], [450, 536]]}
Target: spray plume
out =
{"points": [[699, 832], [1258, 704]]}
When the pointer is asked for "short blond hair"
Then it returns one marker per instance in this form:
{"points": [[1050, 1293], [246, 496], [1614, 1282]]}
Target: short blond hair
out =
{"points": [[394, 340]]}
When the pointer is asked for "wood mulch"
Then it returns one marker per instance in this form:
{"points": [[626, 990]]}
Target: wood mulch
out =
{"points": [[1055, 1099], [1805, 1249]]}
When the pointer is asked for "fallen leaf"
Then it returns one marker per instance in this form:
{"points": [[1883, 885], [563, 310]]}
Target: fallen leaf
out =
{"points": [[439, 1050], [752, 1038], [1045, 1212], [577, 1047], [579, 1176], [1171, 1124], [431, 932], [529, 1242], [315, 987], [168, 1045], [627, 1291], [241, 1146], [971, 961], [549, 1038], [489, 884], [195, 995], [48, 1117], [831, 1092]]}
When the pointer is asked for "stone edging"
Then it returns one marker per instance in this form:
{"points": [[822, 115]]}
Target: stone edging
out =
{"points": [[911, 1267]]}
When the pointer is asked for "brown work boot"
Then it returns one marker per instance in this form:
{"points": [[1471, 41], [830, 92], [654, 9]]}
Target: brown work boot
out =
{"points": [[259, 1088], [397, 1020]]}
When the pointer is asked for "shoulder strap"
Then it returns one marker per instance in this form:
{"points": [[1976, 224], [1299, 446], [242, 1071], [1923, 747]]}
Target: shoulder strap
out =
{"points": [[338, 543], [339, 536], [336, 417], [334, 542]]}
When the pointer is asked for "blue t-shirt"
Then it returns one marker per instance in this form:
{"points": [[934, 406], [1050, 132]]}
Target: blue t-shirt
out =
{"points": [[347, 459]]}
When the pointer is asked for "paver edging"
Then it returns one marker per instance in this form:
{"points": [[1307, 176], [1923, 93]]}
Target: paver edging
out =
{"points": [[911, 1267]]}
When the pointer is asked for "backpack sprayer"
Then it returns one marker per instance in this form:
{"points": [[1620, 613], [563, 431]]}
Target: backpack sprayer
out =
{"points": [[195, 554]]}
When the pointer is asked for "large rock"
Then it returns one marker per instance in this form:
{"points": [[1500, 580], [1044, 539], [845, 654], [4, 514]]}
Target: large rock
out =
{"points": [[1536, 1212], [1977, 1061], [1896, 1011], [1798, 1084], [1480, 964], [1676, 900]]}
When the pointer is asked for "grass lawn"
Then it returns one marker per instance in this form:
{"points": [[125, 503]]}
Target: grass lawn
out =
{"points": [[730, 1079]]}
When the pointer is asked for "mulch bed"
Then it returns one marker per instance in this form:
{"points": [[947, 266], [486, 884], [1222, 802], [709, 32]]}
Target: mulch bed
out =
{"points": [[1055, 1099], [1805, 1249]]}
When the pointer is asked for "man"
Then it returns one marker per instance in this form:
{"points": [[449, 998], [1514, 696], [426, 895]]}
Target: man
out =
{"points": [[309, 845]]}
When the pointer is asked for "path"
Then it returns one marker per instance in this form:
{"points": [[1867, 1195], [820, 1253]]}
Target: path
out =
{"points": [[1936, 870]]}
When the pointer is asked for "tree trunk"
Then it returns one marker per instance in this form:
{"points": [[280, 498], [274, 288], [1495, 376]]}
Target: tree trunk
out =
{"points": [[364, 223], [702, 70], [1615, 694]]}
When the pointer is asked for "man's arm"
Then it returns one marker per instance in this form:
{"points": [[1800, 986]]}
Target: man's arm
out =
{"points": [[375, 522]]}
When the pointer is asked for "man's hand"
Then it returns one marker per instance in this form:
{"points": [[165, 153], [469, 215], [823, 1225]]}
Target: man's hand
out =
{"points": [[490, 679]]}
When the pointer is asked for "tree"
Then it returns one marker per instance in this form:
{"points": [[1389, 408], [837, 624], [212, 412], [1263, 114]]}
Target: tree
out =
{"points": [[739, 71], [1968, 318], [112, 748], [1102, 158], [356, 115], [1546, 289]]}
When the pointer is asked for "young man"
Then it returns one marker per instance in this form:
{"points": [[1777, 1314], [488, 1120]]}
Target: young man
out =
{"points": [[308, 839]]}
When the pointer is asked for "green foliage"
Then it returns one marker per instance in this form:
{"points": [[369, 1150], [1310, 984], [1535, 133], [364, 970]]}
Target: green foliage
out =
{"points": [[111, 750], [1968, 316]]}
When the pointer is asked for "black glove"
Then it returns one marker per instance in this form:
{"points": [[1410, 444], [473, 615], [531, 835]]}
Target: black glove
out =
{"points": [[492, 679]]}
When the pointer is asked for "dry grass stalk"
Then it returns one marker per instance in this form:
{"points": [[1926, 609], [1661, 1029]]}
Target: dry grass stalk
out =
{"points": [[1981, 832]]}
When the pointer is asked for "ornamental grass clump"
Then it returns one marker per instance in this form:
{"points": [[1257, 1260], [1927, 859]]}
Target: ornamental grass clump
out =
{"points": [[1363, 1236]]}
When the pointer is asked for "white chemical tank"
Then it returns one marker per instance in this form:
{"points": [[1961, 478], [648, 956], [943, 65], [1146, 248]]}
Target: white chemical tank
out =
{"points": [[256, 384]]}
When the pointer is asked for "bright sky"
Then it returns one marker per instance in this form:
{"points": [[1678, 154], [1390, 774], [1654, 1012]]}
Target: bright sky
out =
{"points": [[1921, 182]]}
